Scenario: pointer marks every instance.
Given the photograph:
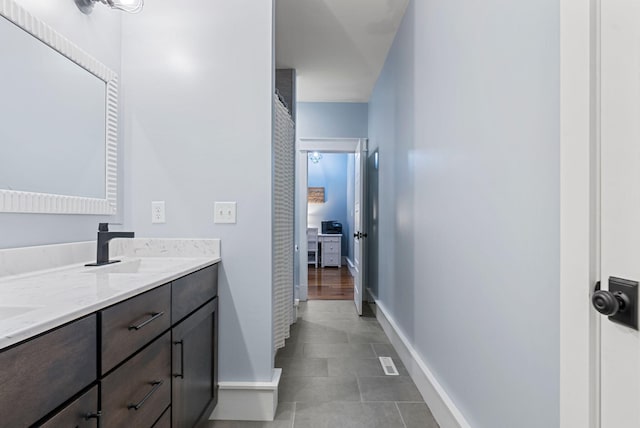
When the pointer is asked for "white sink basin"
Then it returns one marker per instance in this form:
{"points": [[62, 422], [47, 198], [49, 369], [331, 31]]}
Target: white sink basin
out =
{"points": [[136, 266], [7, 312]]}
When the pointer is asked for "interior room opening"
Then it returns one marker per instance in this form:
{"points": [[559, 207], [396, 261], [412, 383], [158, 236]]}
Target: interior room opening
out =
{"points": [[330, 220]]}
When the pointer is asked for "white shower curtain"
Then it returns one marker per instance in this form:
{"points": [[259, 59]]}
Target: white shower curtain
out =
{"points": [[283, 222]]}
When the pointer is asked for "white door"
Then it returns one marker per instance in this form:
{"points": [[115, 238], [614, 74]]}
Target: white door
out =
{"points": [[359, 234], [620, 204]]}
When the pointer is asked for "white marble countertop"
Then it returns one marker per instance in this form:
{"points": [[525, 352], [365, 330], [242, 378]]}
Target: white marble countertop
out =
{"points": [[34, 302]]}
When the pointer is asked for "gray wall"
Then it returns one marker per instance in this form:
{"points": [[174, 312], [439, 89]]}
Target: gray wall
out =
{"points": [[286, 86], [99, 35], [331, 120], [372, 214], [198, 105], [466, 118]]}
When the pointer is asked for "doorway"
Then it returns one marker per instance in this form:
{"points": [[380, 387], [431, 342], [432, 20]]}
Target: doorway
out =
{"points": [[309, 217], [330, 209]]}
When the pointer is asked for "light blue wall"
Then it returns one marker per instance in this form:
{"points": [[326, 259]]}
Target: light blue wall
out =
{"points": [[99, 35], [331, 120], [198, 130], [330, 173], [466, 119]]}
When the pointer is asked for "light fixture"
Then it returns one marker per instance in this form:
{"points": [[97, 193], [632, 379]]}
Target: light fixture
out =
{"points": [[130, 6], [315, 157]]}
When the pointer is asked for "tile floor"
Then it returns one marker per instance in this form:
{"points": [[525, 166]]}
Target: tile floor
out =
{"points": [[332, 378]]}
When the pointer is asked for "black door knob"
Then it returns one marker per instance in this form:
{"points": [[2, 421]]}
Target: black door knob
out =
{"points": [[619, 303], [608, 303]]}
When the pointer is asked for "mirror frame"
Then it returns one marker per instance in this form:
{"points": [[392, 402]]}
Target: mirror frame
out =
{"points": [[31, 202]]}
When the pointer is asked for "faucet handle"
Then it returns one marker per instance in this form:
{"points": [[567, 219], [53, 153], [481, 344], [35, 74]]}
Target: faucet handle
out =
{"points": [[103, 227]]}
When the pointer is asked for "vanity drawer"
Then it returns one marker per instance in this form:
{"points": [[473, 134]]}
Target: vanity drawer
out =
{"points": [[76, 414], [41, 374], [326, 240], [136, 394], [192, 291], [128, 326]]}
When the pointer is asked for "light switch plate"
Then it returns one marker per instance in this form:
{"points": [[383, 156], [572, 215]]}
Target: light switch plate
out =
{"points": [[225, 212], [157, 212]]}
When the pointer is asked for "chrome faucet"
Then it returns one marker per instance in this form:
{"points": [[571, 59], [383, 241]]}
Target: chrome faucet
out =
{"points": [[104, 236]]}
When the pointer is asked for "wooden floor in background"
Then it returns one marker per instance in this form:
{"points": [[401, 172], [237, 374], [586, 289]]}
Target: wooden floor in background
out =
{"points": [[330, 283]]}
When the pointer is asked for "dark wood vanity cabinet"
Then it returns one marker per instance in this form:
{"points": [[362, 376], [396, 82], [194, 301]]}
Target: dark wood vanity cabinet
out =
{"points": [[129, 325], [81, 413], [149, 361], [137, 393], [195, 376], [190, 292], [39, 375]]}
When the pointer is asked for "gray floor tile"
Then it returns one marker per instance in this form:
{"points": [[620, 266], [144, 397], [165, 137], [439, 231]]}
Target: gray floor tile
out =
{"points": [[332, 306], [331, 316], [376, 336], [322, 336], [385, 350], [388, 388], [334, 350], [304, 325], [332, 377], [318, 389], [308, 367], [417, 415], [292, 349], [283, 419], [349, 326], [362, 367], [347, 415]]}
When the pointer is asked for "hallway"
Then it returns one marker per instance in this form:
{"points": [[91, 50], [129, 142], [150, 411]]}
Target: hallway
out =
{"points": [[332, 378]]}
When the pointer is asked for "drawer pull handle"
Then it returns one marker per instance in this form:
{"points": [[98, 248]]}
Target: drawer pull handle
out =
{"points": [[92, 415], [154, 316], [181, 374], [156, 385]]}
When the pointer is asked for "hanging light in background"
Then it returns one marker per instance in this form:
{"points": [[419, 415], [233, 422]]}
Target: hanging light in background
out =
{"points": [[130, 6], [315, 157]]}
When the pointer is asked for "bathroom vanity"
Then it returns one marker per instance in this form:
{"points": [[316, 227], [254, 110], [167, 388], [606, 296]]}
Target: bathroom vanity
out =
{"points": [[131, 344]]}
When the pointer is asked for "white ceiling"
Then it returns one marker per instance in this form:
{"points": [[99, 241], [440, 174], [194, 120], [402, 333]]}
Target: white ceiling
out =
{"points": [[337, 47]]}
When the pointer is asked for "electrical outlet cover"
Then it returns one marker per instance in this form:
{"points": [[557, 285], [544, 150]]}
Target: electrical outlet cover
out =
{"points": [[158, 212]]}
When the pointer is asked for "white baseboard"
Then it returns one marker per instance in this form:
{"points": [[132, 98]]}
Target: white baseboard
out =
{"points": [[350, 265], [247, 401], [443, 408], [371, 297]]}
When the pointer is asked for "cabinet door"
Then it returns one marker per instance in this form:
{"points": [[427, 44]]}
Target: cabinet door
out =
{"points": [[195, 373]]}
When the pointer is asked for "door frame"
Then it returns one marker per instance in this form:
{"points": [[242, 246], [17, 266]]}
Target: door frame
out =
{"points": [[579, 213], [303, 147]]}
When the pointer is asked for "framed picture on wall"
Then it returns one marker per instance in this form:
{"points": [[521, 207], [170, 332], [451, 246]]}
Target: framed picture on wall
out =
{"points": [[315, 195]]}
